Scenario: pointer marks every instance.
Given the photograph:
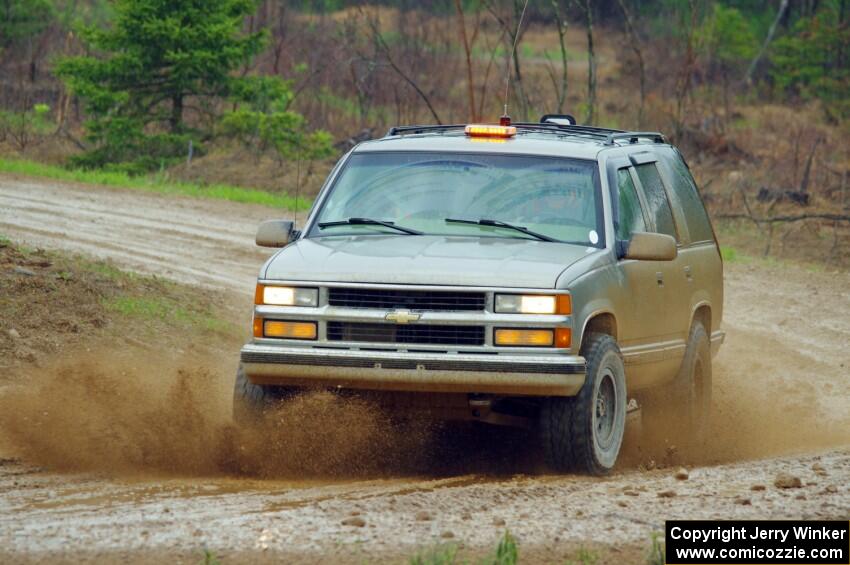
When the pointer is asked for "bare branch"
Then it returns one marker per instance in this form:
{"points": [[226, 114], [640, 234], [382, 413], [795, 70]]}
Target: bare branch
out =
{"points": [[586, 6], [562, 23], [770, 33], [807, 170], [379, 40], [634, 43], [466, 47], [779, 219]]}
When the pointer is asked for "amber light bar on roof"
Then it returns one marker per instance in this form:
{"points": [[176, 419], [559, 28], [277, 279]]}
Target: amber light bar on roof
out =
{"points": [[485, 130]]}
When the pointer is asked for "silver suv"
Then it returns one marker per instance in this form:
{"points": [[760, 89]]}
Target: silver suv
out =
{"points": [[536, 274]]}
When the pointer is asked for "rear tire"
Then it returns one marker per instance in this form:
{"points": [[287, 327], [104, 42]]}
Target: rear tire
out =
{"points": [[680, 413], [585, 432], [251, 401]]}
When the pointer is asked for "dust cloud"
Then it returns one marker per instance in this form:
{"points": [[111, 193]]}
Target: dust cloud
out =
{"points": [[767, 401], [130, 415]]}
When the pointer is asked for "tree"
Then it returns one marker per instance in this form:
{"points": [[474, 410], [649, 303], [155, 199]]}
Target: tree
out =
{"points": [[728, 41], [559, 86], [780, 13], [513, 30], [684, 79], [727, 38], [381, 44], [263, 121], [158, 54], [21, 23], [635, 44], [587, 7], [814, 61], [21, 20]]}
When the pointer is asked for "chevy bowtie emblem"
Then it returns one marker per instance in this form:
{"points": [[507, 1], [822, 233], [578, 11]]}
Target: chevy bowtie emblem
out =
{"points": [[402, 316]]}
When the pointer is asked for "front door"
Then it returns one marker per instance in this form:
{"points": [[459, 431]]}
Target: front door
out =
{"points": [[650, 331]]}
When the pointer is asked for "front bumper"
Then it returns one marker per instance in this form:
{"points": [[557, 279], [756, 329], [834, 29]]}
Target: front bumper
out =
{"points": [[506, 374]]}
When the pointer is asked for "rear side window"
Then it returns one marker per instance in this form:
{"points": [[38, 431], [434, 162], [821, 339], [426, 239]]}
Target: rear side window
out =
{"points": [[699, 226], [656, 197], [631, 214]]}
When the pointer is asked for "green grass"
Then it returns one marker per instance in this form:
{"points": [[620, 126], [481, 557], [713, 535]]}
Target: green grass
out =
{"points": [[730, 254], [440, 555], [154, 183], [210, 558], [655, 556], [584, 557], [506, 553], [107, 270], [167, 310]]}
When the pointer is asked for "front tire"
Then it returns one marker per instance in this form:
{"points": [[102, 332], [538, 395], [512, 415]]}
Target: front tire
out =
{"points": [[251, 401], [585, 432]]}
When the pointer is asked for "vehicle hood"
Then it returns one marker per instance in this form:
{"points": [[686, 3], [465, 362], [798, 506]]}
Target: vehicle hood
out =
{"points": [[438, 260]]}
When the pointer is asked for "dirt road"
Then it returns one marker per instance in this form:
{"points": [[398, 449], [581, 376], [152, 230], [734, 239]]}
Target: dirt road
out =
{"points": [[194, 241], [782, 404]]}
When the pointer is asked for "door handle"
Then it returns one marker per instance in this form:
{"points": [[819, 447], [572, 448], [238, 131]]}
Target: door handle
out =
{"points": [[659, 278], [688, 274]]}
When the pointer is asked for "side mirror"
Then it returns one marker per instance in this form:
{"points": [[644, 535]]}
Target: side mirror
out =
{"points": [[275, 233], [647, 246]]}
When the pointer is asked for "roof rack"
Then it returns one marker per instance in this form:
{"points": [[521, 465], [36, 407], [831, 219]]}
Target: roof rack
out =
{"points": [[559, 119], [601, 133], [606, 135], [398, 130], [635, 136]]}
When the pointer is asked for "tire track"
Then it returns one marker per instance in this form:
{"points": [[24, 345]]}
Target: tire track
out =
{"points": [[193, 241]]}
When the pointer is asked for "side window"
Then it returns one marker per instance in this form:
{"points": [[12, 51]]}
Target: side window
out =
{"points": [[699, 225], [631, 214], [656, 198]]}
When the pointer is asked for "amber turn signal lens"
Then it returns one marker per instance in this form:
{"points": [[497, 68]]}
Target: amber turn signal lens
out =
{"points": [[565, 304], [290, 330], [258, 327], [563, 337], [517, 337], [258, 294]]}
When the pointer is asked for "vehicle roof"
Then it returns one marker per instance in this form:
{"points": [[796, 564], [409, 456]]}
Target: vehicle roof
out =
{"points": [[524, 143]]}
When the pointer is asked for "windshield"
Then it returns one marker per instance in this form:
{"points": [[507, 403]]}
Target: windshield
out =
{"points": [[556, 198]]}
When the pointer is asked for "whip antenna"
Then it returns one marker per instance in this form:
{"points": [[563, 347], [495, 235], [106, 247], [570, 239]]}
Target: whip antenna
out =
{"points": [[506, 119]]}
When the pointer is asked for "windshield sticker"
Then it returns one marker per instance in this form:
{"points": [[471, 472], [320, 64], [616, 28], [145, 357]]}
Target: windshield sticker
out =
{"points": [[593, 236]]}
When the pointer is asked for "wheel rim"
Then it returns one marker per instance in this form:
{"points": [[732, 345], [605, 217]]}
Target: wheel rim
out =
{"points": [[605, 411]]}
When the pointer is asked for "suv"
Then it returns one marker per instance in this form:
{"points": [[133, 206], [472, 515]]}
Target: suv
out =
{"points": [[535, 274]]}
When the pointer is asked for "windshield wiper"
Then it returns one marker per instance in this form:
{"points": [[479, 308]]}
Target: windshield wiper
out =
{"points": [[368, 222], [501, 224]]}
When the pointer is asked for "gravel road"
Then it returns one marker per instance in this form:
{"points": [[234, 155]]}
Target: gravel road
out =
{"points": [[782, 405]]}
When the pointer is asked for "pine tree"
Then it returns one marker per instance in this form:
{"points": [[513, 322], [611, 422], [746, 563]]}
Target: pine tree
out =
{"points": [[157, 61]]}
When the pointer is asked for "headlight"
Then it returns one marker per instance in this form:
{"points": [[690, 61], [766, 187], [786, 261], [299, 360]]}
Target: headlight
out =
{"points": [[286, 296], [533, 304]]}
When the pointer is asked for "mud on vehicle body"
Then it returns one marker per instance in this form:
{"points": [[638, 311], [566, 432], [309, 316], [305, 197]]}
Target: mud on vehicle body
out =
{"points": [[536, 275]]}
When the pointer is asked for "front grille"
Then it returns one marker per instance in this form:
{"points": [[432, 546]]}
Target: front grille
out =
{"points": [[418, 333], [405, 299]]}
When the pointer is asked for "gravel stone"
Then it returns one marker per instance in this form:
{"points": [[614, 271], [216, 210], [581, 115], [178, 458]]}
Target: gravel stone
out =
{"points": [[787, 480]]}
